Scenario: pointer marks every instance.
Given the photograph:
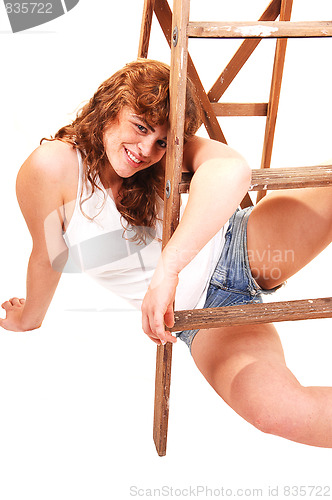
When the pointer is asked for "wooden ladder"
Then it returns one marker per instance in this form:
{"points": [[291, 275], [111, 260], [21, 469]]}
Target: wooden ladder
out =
{"points": [[177, 29]]}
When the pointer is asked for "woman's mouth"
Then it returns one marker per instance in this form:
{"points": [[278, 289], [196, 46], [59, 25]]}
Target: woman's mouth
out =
{"points": [[132, 157]]}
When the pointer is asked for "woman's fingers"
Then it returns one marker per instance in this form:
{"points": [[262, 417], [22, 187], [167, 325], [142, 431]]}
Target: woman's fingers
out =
{"points": [[163, 334], [14, 308], [147, 330], [15, 301], [169, 317], [152, 334], [7, 305], [154, 327]]}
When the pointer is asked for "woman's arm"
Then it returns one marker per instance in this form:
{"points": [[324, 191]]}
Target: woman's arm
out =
{"points": [[39, 193], [220, 181], [24, 315]]}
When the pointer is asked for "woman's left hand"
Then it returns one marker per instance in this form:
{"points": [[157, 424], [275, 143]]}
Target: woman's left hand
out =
{"points": [[157, 306]]}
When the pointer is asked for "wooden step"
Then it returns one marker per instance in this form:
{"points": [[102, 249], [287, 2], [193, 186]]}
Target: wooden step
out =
{"points": [[260, 29], [240, 109], [248, 314], [280, 178]]}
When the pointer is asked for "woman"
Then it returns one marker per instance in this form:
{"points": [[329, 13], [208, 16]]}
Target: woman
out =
{"points": [[94, 193]]}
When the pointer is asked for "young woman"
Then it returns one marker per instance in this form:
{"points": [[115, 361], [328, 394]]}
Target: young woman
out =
{"points": [[92, 199]]}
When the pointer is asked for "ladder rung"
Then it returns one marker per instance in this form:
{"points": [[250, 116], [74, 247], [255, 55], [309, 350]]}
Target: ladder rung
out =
{"points": [[253, 314], [260, 29], [280, 178], [290, 178], [239, 109]]}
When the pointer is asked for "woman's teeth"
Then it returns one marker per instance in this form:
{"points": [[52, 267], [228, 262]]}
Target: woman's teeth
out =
{"points": [[132, 157]]}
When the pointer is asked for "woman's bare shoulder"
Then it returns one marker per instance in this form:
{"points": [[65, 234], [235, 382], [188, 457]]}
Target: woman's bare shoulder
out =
{"points": [[54, 158], [52, 163], [50, 173]]}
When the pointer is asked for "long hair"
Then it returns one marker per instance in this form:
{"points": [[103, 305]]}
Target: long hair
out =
{"points": [[142, 85]]}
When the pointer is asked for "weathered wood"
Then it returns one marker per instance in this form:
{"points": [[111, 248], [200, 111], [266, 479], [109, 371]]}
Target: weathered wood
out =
{"points": [[249, 314], [164, 16], [261, 29], [278, 68], [174, 159], [174, 152], [209, 118], [239, 109], [162, 392], [144, 39], [241, 56], [290, 178], [280, 178]]}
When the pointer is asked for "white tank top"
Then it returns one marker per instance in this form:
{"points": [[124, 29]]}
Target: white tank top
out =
{"points": [[101, 248]]}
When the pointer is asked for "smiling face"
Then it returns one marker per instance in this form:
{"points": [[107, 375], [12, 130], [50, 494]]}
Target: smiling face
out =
{"points": [[131, 144]]}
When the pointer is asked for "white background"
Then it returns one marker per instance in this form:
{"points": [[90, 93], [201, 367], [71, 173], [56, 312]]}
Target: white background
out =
{"points": [[76, 396]]}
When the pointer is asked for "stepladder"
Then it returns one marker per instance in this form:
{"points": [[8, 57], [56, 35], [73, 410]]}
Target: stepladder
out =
{"points": [[275, 22]]}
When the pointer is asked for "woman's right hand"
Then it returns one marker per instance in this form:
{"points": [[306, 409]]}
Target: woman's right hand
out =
{"points": [[14, 309]]}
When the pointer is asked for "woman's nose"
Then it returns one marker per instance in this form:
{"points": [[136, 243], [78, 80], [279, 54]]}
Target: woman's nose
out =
{"points": [[146, 146]]}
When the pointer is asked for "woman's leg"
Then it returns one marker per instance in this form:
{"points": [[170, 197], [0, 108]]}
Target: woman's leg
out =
{"points": [[286, 230], [246, 367], [245, 364]]}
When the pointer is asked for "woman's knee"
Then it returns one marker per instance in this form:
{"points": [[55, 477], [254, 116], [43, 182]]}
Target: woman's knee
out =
{"points": [[275, 421], [246, 367], [279, 406]]}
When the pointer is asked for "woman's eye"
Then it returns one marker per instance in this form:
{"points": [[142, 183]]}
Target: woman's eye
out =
{"points": [[162, 144], [141, 128]]}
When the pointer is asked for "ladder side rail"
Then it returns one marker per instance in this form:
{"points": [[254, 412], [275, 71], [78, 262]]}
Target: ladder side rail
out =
{"points": [[174, 159], [145, 33], [272, 111]]}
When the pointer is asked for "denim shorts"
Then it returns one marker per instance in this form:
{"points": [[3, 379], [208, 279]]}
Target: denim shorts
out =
{"points": [[232, 282]]}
